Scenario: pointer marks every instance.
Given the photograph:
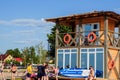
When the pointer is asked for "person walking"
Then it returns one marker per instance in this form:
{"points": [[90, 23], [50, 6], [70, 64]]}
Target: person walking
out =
{"points": [[1, 71]]}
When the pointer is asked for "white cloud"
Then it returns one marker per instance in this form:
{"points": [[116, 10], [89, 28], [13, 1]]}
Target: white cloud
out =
{"points": [[5, 35], [117, 10], [27, 41], [24, 32], [28, 22]]}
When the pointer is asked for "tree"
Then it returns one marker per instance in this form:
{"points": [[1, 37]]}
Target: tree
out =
{"points": [[14, 53], [26, 56], [17, 53], [32, 53], [51, 37], [29, 55], [41, 52]]}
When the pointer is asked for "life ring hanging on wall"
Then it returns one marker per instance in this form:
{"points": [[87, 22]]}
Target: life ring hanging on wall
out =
{"points": [[111, 64], [67, 38], [93, 35]]}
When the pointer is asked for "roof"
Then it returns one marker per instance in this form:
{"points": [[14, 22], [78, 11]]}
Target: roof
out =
{"points": [[18, 59], [87, 15], [3, 56]]}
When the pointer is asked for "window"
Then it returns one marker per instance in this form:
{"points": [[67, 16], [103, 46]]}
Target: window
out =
{"points": [[84, 60], [67, 57], [92, 57], [60, 60], [88, 28], [99, 61], [92, 60], [73, 60]]}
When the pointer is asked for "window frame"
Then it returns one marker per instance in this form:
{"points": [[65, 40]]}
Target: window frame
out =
{"points": [[88, 56]]}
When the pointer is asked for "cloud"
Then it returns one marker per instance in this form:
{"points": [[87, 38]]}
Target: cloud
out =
{"points": [[26, 41], [5, 35], [28, 22], [24, 32], [117, 10]]}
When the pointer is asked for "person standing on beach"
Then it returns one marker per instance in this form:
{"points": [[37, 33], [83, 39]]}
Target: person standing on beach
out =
{"points": [[44, 73], [1, 71], [13, 70], [39, 72], [29, 72]]}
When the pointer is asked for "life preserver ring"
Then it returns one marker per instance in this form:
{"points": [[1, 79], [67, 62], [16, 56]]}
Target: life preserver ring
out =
{"points": [[67, 38], [89, 37], [111, 64]]}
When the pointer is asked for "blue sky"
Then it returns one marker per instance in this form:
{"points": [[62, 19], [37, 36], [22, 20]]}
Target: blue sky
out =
{"points": [[22, 22]]}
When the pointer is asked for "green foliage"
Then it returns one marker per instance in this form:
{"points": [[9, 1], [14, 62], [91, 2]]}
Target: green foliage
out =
{"points": [[51, 37], [41, 53], [28, 54], [14, 53], [34, 54], [12, 62]]}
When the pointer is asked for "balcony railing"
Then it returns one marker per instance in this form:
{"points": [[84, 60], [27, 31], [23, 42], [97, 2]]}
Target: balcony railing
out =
{"points": [[81, 39]]}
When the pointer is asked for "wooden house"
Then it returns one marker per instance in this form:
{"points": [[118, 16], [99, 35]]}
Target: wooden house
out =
{"points": [[94, 41]]}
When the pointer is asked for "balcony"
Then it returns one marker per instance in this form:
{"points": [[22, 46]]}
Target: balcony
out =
{"points": [[80, 39]]}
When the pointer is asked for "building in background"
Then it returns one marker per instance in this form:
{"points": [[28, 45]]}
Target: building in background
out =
{"points": [[5, 57]]}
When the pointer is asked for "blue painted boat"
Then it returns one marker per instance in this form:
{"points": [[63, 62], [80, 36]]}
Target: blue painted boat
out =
{"points": [[78, 73], [75, 73]]}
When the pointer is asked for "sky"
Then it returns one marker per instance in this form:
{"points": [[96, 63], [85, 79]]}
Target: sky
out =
{"points": [[22, 22]]}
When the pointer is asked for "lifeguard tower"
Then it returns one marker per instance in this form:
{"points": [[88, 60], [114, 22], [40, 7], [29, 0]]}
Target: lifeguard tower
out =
{"points": [[95, 41]]}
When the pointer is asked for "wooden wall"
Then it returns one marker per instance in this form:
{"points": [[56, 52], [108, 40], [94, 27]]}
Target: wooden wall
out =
{"points": [[113, 54]]}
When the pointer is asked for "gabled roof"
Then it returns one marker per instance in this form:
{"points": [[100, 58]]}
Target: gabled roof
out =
{"points": [[3, 56]]}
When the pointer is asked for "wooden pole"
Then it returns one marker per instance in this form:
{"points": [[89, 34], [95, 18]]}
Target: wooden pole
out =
{"points": [[56, 43], [105, 46], [79, 43], [119, 49]]}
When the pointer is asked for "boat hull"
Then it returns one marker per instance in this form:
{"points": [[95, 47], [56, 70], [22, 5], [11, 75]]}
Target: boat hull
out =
{"points": [[75, 73]]}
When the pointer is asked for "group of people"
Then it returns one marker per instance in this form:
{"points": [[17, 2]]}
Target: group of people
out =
{"points": [[13, 70], [42, 72]]}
